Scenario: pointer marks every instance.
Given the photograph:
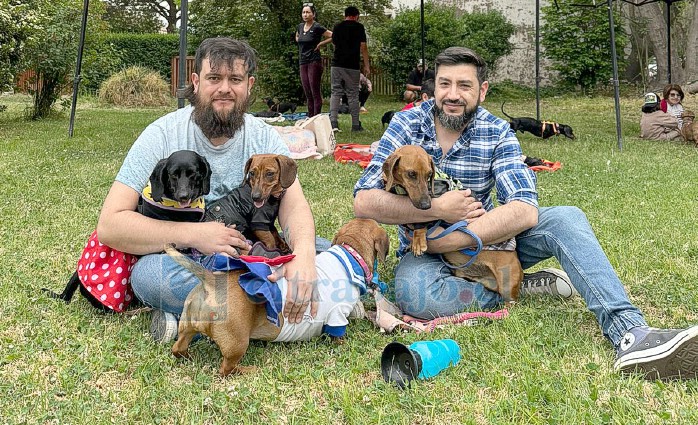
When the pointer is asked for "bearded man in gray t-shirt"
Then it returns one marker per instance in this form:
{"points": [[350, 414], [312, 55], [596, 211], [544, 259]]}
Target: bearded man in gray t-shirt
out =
{"points": [[217, 127]]}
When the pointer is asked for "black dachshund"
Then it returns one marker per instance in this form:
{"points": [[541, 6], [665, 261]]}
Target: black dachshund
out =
{"points": [[179, 180], [385, 119], [281, 107], [544, 129]]}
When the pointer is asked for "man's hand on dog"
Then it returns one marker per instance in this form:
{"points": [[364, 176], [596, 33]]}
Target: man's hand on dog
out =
{"points": [[457, 205], [301, 288], [215, 238]]}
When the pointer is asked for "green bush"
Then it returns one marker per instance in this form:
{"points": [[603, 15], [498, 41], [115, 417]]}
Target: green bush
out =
{"points": [[109, 53], [136, 86], [400, 39], [577, 41], [99, 63]]}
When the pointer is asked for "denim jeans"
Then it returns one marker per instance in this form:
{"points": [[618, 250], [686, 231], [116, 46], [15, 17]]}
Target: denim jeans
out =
{"points": [[425, 287], [161, 283]]}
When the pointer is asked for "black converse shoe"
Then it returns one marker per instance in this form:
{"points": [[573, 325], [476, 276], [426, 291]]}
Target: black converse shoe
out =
{"points": [[548, 282], [659, 353]]}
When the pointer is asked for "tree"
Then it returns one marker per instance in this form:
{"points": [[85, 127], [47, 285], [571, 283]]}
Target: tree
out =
{"points": [[169, 10], [577, 41], [269, 26], [444, 26], [52, 51], [129, 16], [684, 46], [17, 22]]}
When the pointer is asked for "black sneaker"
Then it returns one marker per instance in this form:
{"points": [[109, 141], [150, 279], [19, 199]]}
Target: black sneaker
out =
{"points": [[659, 353], [335, 126], [548, 282]]}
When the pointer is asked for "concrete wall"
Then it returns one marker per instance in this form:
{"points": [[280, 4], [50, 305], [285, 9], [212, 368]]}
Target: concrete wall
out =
{"points": [[518, 66]]}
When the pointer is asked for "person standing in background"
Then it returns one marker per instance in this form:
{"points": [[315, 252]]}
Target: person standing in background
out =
{"points": [[309, 36], [349, 38]]}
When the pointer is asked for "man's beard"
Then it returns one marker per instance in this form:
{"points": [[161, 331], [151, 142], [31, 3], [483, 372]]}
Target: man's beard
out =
{"points": [[456, 122], [216, 124]]}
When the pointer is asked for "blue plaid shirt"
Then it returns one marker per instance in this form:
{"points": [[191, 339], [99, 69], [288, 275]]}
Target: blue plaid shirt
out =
{"points": [[487, 155]]}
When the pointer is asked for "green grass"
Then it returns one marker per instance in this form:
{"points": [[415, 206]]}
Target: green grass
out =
{"points": [[546, 363]]}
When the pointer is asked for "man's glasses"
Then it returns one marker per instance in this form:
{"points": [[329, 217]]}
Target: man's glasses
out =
{"points": [[674, 95]]}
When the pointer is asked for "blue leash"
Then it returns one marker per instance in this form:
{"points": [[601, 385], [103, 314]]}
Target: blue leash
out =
{"points": [[463, 227]]}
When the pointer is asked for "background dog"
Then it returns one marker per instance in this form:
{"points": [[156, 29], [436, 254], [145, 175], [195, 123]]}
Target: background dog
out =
{"points": [[409, 170], [385, 119], [544, 129], [181, 178], [689, 130], [281, 107], [254, 206], [225, 313]]}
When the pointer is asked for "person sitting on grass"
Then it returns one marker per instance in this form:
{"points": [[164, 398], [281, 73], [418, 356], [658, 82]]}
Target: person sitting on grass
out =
{"points": [[655, 124], [216, 126], [471, 145], [427, 93]]}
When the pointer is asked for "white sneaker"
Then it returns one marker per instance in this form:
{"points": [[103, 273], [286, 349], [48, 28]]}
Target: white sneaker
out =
{"points": [[548, 282], [163, 326]]}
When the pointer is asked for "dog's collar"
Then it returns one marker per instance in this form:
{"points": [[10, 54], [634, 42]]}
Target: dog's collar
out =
{"points": [[198, 203], [368, 275]]}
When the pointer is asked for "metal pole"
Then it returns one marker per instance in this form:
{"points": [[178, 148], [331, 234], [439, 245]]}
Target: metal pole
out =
{"points": [[78, 66], [616, 93], [182, 68], [424, 63], [538, 60], [668, 37]]}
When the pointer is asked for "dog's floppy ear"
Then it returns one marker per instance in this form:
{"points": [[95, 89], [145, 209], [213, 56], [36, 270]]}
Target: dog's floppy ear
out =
{"points": [[248, 165], [206, 170], [433, 175], [382, 244], [389, 167], [287, 170], [158, 180]]}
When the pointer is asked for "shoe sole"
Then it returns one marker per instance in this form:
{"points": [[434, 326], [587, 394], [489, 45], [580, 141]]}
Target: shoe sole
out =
{"points": [[162, 332], [679, 362]]}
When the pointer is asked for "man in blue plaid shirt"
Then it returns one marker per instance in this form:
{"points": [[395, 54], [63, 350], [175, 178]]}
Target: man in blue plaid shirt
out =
{"points": [[480, 150]]}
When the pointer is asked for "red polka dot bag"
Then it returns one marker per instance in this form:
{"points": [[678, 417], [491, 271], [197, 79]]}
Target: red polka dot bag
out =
{"points": [[106, 272]]}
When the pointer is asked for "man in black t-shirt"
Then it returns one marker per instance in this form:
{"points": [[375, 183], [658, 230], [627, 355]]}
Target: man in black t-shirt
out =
{"points": [[349, 39]]}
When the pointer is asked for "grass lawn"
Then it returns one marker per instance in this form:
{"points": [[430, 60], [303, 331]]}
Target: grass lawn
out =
{"points": [[546, 363]]}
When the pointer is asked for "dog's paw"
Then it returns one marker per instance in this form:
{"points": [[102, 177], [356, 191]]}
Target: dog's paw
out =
{"points": [[419, 247]]}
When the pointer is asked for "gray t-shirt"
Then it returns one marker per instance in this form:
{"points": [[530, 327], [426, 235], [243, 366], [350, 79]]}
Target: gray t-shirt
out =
{"points": [[177, 130]]}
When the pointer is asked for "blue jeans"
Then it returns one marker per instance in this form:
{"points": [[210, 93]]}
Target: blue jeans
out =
{"points": [[425, 287], [161, 283]]}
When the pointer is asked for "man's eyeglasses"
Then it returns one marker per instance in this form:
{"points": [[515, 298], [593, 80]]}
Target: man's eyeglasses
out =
{"points": [[674, 95]]}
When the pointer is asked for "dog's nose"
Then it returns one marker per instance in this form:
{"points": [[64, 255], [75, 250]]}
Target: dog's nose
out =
{"points": [[425, 204]]}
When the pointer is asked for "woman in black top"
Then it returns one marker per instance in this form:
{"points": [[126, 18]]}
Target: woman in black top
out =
{"points": [[308, 36]]}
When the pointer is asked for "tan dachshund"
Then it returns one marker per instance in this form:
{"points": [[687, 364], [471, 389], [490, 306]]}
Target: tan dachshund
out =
{"points": [[254, 206], [219, 308], [411, 170], [689, 130]]}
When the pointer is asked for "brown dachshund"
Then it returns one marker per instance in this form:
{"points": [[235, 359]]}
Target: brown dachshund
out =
{"points": [[254, 206], [219, 308], [689, 130], [410, 171]]}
